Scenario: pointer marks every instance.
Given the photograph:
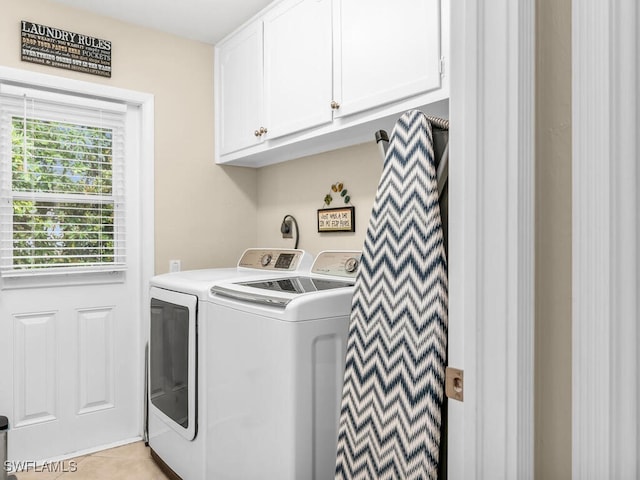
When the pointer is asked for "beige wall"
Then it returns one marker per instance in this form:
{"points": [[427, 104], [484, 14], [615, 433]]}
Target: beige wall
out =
{"points": [[553, 241], [198, 205], [298, 188]]}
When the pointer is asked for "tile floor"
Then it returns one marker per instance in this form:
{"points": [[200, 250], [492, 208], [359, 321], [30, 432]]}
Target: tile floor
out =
{"points": [[128, 462]]}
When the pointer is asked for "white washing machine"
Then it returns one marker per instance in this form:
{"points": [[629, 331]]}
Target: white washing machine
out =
{"points": [[274, 375], [178, 354]]}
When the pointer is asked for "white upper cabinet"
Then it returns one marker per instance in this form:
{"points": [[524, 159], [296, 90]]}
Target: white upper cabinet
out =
{"points": [[306, 76], [297, 66], [384, 51], [239, 90]]}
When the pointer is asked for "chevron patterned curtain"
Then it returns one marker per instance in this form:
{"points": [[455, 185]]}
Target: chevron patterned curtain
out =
{"points": [[390, 419]]}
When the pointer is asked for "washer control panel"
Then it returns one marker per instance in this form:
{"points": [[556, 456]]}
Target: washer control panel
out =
{"points": [[277, 259], [337, 263]]}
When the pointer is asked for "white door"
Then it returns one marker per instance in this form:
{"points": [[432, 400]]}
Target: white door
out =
{"points": [[297, 70], [71, 346], [370, 73]]}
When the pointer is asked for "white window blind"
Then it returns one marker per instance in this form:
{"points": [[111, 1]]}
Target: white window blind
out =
{"points": [[62, 184]]}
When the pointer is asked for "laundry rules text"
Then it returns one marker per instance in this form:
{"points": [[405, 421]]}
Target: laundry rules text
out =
{"points": [[62, 49]]}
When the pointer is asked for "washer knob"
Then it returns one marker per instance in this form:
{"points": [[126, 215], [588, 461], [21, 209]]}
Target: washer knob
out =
{"points": [[266, 259], [351, 265]]}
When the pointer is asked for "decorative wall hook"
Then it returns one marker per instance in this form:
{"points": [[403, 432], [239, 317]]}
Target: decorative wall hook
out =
{"points": [[338, 219], [337, 187]]}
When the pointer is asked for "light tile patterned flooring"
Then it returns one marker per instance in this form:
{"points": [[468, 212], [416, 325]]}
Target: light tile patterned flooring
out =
{"points": [[128, 462]]}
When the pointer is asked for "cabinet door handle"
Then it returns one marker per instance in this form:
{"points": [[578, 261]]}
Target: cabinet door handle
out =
{"points": [[335, 105], [263, 130], [257, 133]]}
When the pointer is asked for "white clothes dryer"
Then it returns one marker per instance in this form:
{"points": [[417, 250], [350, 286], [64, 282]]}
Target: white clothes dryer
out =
{"points": [[274, 376], [178, 353]]}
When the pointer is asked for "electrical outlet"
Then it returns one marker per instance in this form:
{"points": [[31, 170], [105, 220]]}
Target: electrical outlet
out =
{"points": [[174, 265], [286, 229]]}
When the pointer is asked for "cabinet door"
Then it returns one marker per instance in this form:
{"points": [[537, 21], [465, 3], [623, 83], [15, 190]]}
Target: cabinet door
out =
{"points": [[385, 51], [298, 73], [240, 89]]}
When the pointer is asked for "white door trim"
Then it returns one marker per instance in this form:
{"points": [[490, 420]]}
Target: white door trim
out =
{"points": [[606, 120], [145, 102], [491, 273]]}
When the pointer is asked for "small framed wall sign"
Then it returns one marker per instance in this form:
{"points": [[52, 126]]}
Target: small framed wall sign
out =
{"points": [[341, 219]]}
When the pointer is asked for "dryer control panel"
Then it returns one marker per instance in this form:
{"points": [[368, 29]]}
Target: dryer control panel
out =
{"points": [[276, 259], [337, 263]]}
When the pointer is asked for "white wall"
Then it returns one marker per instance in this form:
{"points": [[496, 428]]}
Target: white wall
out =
{"points": [[196, 202]]}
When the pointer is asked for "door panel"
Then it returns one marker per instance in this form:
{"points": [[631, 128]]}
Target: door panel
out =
{"points": [[34, 368], [95, 359]]}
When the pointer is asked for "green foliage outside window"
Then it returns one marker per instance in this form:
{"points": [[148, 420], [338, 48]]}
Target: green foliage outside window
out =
{"points": [[63, 211]]}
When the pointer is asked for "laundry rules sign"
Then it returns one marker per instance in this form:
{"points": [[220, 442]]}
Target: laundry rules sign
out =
{"points": [[62, 49]]}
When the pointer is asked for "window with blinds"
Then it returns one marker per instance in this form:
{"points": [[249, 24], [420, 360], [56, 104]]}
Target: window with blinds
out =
{"points": [[62, 184]]}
